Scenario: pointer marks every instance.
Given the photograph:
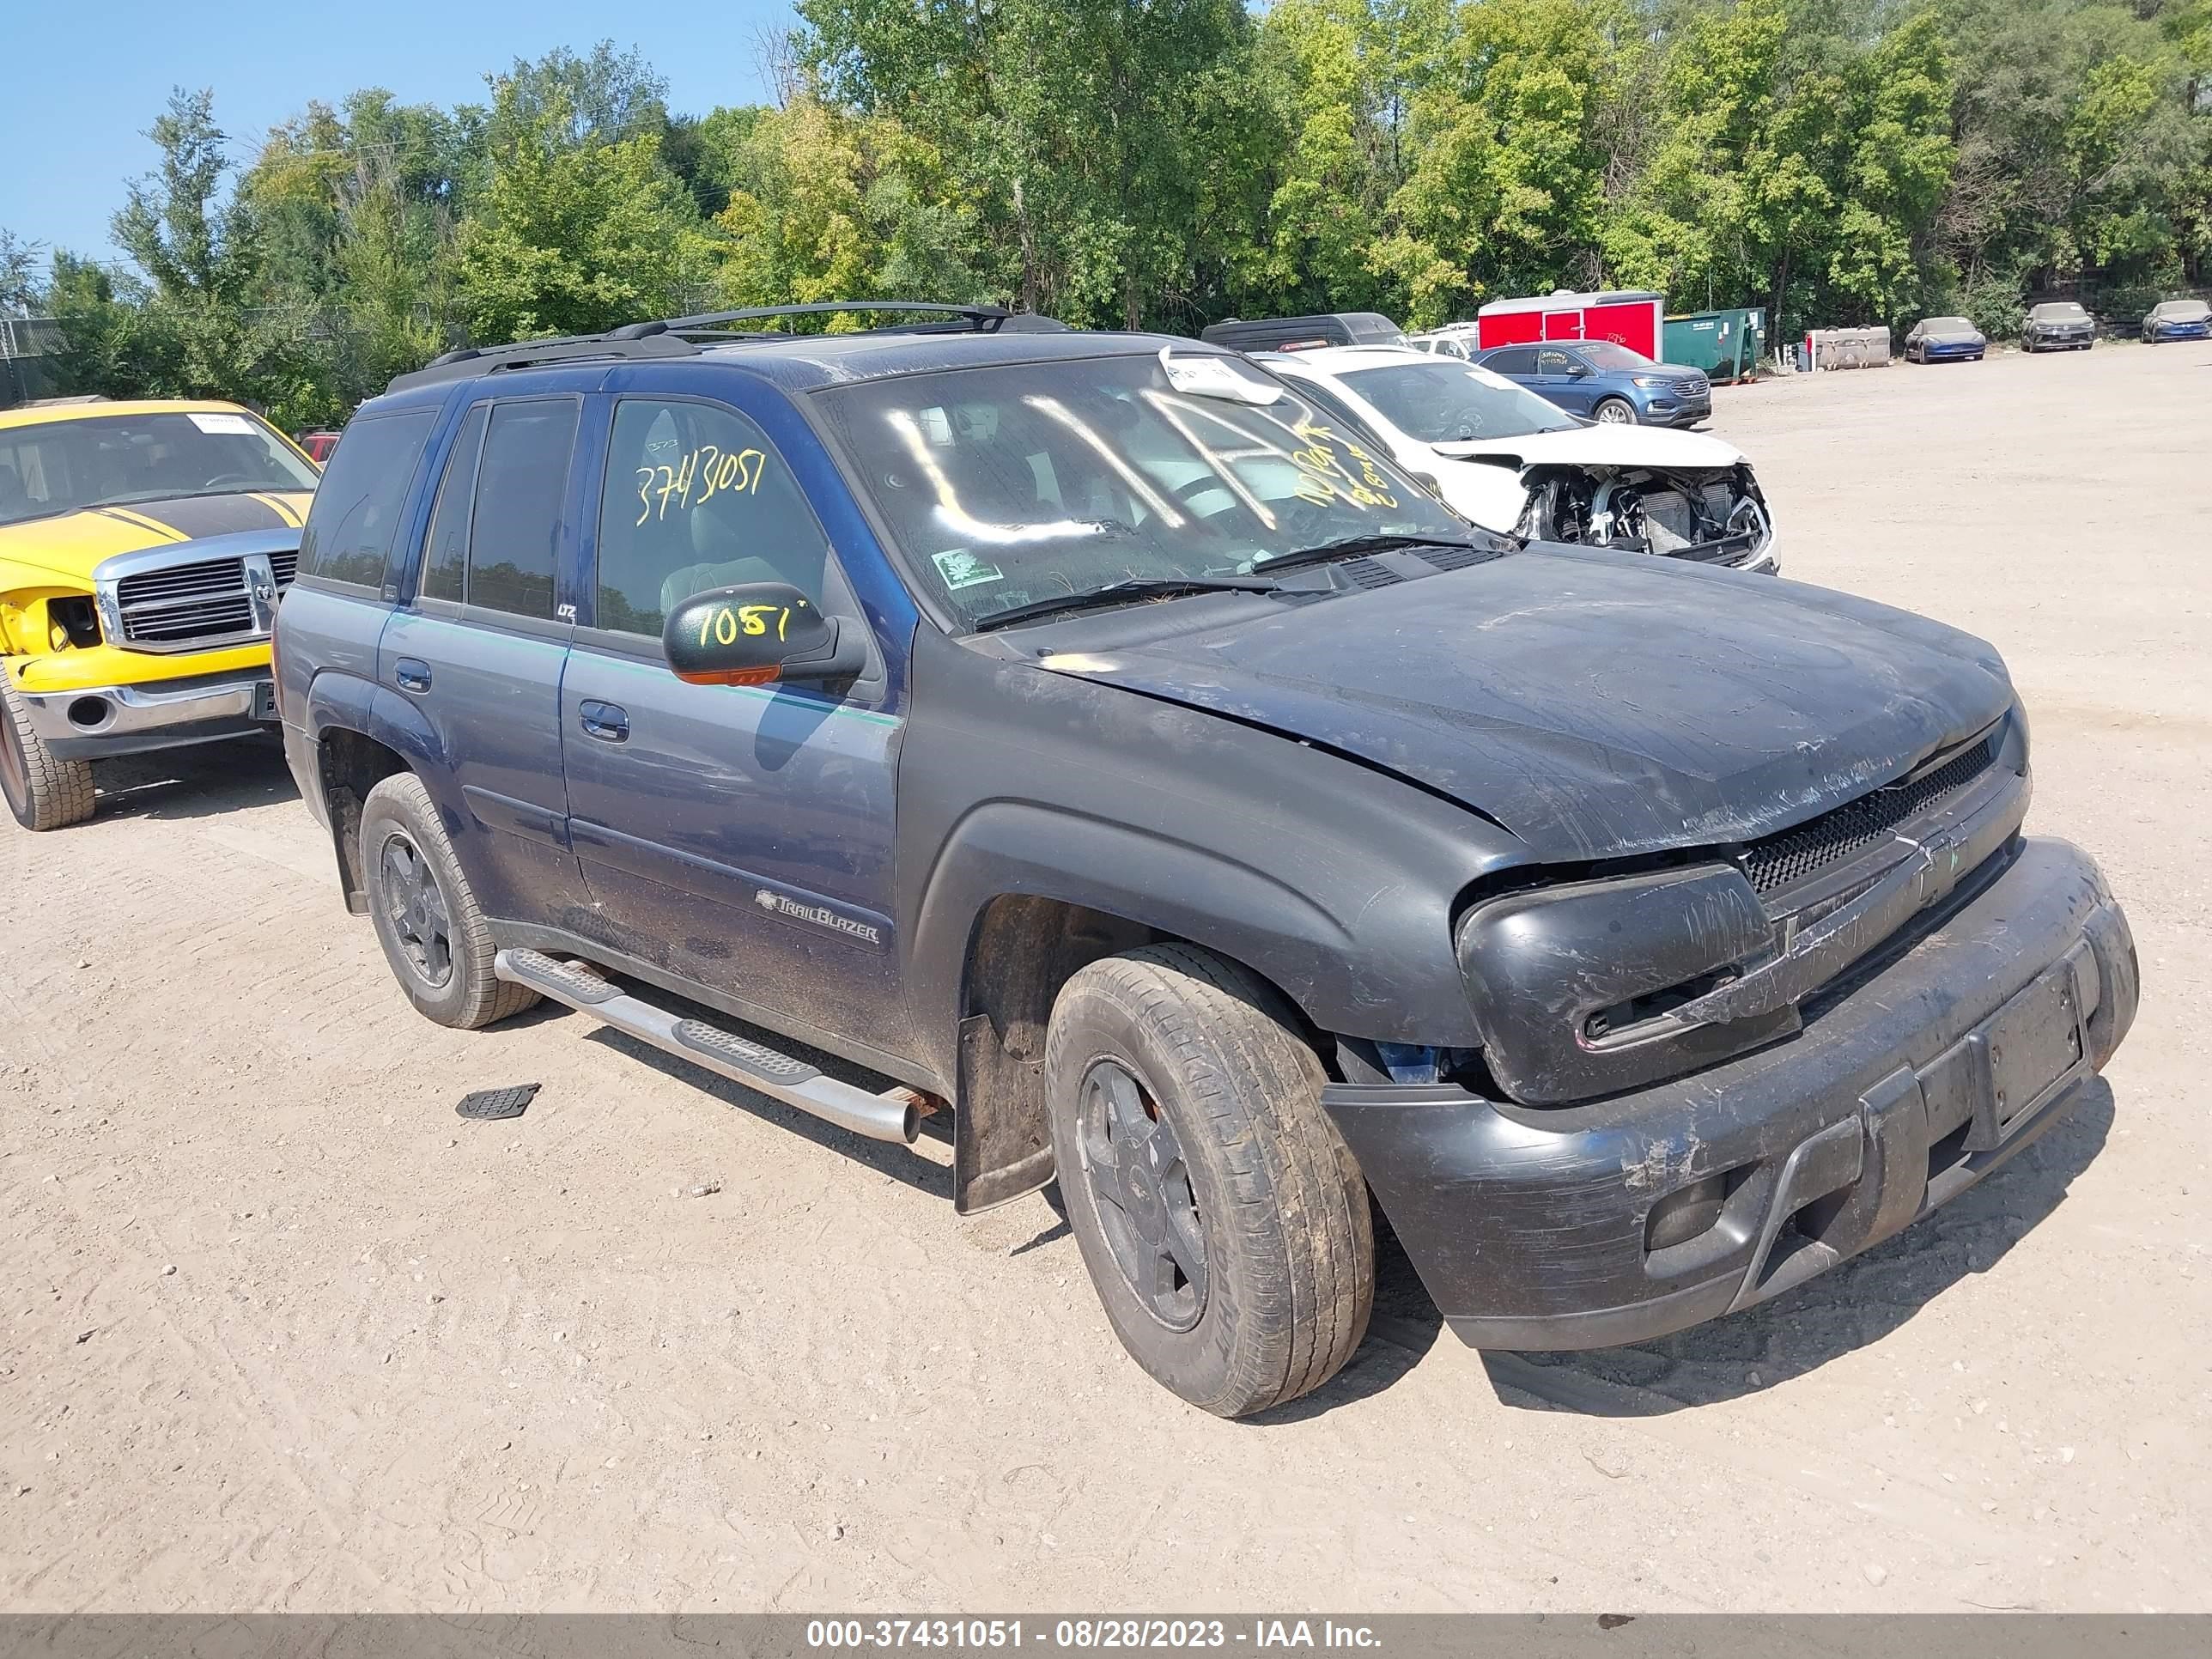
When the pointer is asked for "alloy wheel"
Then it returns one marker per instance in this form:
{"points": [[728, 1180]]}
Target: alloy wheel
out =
{"points": [[1612, 415], [1138, 1175], [415, 906]]}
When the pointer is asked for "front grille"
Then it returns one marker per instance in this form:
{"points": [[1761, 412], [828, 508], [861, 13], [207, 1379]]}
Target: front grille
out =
{"points": [[200, 619], [1782, 860], [203, 602], [210, 577]]}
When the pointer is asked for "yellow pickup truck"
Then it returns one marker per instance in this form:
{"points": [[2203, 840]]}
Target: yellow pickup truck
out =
{"points": [[142, 549]]}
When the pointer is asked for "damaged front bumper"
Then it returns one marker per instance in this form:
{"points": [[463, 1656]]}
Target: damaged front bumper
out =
{"points": [[98, 722], [1615, 1222]]}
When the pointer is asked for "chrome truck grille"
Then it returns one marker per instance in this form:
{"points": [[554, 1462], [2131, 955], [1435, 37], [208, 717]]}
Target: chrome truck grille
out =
{"points": [[180, 598]]}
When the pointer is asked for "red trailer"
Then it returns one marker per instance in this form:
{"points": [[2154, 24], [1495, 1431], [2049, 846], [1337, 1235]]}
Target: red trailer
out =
{"points": [[1634, 318]]}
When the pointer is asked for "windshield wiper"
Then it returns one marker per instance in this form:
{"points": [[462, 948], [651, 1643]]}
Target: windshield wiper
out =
{"points": [[1351, 547], [1121, 592]]}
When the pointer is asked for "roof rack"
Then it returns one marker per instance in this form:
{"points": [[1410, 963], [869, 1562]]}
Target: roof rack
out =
{"points": [[686, 336]]}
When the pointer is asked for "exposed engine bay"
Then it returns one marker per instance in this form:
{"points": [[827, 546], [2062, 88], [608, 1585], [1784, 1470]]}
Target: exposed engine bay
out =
{"points": [[1712, 514]]}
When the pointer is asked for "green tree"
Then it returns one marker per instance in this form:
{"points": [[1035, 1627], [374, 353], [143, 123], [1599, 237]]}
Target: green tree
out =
{"points": [[574, 238]]}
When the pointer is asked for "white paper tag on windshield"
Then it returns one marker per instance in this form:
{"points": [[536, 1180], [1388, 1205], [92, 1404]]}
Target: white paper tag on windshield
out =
{"points": [[1218, 377], [228, 425]]}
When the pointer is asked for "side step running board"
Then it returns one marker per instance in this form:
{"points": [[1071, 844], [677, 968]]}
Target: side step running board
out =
{"points": [[881, 1117]]}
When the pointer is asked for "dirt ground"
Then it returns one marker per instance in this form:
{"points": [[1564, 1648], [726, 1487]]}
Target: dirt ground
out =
{"points": [[281, 1332]]}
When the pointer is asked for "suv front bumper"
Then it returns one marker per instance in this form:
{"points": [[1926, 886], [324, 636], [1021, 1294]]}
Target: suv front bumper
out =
{"points": [[1534, 1229], [97, 722]]}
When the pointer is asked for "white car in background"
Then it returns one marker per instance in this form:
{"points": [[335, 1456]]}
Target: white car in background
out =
{"points": [[1503, 458]]}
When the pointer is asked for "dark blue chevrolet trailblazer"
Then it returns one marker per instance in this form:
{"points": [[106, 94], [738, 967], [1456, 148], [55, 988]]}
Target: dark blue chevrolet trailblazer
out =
{"points": [[1083, 738]]}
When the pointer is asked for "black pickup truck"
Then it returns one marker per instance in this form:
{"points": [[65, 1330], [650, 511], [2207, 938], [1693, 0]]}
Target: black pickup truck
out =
{"points": [[1076, 734]]}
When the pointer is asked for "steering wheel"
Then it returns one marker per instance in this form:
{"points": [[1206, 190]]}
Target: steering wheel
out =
{"points": [[1188, 494]]}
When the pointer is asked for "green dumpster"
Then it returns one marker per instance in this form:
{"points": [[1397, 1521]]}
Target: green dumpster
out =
{"points": [[1726, 344]]}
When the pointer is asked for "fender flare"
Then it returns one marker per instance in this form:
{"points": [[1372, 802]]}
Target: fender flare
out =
{"points": [[1007, 849]]}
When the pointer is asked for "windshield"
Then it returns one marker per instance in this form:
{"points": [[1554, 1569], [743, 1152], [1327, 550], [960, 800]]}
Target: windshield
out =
{"points": [[52, 467], [1948, 325], [2183, 310], [2063, 310], [1011, 484], [1607, 354], [1442, 403]]}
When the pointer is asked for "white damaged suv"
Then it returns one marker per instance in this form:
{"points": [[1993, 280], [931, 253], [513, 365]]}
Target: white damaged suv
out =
{"points": [[1501, 457]]}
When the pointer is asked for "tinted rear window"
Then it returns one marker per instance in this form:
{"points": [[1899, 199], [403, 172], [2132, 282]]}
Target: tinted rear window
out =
{"points": [[521, 482], [445, 549], [362, 494]]}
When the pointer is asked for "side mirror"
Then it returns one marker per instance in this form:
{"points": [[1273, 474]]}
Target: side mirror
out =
{"points": [[1577, 371], [756, 633]]}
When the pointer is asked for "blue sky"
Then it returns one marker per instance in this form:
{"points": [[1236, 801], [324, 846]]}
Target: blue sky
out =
{"points": [[83, 82]]}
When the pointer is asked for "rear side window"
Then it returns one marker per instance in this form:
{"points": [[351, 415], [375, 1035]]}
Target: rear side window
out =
{"points": [[521, 481], [362, 493], [1514, 360], [446, 548]]}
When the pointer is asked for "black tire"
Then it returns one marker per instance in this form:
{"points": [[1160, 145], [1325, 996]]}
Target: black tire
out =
{"points": [[1626, 416], [1277, 1222], [42, 792], [419, 897]]}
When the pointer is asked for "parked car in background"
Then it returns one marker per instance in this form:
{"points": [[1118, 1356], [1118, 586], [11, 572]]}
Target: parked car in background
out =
{"points": [[1944, 339], [2057, 326], [142, 549], [1459, 340], [1503, 458], [2178, 319], [1611, 384], [1098, 751], [1302, 333], [317, 444]]}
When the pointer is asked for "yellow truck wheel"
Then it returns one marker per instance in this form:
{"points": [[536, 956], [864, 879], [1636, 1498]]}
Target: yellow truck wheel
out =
{"points": [[42, 792]]}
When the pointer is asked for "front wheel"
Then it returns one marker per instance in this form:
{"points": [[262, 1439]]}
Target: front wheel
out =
{"points": [[433, 935], [1223, 1220], [42, 792], [1616, 411]]}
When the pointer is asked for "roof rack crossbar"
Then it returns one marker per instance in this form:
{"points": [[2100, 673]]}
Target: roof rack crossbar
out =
{"points": [[983, 318], [686, 336]]}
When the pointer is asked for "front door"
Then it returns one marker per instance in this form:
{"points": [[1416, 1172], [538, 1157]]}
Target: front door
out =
{"points": [[1556, 381], [737, 837], [478, 654]]}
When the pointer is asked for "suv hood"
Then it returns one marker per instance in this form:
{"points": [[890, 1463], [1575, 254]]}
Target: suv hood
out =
{"points": [[1595, 704], [1600, 445]]}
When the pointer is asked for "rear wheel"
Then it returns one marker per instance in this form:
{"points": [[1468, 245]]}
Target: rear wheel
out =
{"points": [[42, 792], [1615, 411], [1222, 1218], [433, 935]]}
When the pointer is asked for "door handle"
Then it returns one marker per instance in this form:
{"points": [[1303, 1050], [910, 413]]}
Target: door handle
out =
{"points": [[605, 721], [412, 675]]}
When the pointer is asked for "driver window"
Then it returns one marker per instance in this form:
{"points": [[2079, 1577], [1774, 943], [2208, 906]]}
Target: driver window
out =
{"points": [[1553, 363], [697, 498]]}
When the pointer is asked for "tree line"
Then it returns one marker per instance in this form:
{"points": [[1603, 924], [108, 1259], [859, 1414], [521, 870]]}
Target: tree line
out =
{"points": [[1165, 163]]}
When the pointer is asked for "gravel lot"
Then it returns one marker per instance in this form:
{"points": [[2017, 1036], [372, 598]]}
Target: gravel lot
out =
{"points": [[281, 1332]]}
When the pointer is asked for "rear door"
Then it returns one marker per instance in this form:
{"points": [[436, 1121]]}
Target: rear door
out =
{"points": [[737, 837], [478, 651]]}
